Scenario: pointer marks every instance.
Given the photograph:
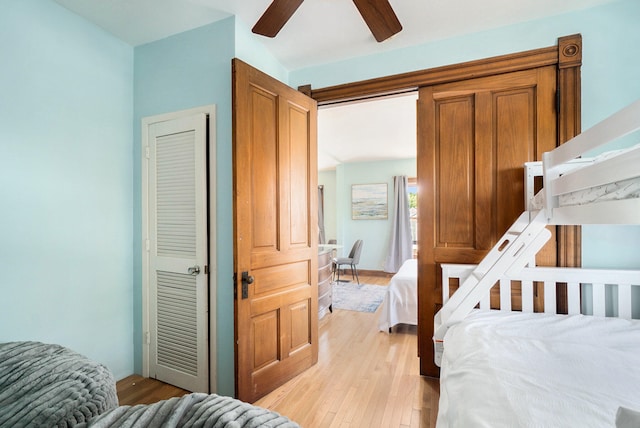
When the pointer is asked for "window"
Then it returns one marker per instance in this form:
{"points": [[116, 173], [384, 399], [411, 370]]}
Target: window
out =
{"points": [[412, 194]]}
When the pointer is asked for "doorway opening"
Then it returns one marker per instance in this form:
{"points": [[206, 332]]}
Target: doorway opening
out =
{"points": [[364, 142]]}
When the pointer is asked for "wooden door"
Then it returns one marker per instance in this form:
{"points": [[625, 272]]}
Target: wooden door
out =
{"points": [[275, 231], [473, 139]]}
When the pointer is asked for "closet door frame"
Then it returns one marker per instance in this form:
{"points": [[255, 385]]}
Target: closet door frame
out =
{"points": [[210, 269]]}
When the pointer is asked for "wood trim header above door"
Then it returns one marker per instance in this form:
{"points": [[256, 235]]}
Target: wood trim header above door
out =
{"points": [[567, 54]]}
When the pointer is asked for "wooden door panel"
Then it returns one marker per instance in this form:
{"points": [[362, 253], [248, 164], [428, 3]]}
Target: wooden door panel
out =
{"points": [[299, 169], [272, 258], [481, 142], [475, 137], [515, 131], [275, 174], [263, 169], [280, 277], [457, 255], [454, 153], [266, 339], [300, 316], [261, 305]]}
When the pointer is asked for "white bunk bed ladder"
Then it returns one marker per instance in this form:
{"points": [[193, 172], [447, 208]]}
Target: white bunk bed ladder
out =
{"points": [[517, 247]]}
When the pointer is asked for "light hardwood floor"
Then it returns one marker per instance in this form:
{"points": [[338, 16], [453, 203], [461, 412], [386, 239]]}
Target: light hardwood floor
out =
{"points": [[136, 389], [364, 378]]}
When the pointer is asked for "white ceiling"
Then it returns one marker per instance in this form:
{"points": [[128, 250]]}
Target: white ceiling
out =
{"points": [[324, 31], [375, 130], [320, 31]]}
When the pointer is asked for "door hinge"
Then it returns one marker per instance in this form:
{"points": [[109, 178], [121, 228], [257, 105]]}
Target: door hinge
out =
{"points": [[147, 338], [147, 152], [147, 244]]}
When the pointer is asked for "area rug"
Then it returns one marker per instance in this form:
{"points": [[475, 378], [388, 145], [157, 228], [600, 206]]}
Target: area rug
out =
{"points": [[357, 297]]}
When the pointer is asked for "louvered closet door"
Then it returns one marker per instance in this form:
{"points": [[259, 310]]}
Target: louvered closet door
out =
{"points": [[178, 247]]}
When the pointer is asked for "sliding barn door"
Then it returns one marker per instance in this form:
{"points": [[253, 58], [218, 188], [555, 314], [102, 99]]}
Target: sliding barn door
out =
{"points": [[474, 137], [276, 231], [177, 244]]}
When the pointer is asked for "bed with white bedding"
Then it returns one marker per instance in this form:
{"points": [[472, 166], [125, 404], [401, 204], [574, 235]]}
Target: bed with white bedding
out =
{"points": [[400, 304], [511, 369], [504, 368]]}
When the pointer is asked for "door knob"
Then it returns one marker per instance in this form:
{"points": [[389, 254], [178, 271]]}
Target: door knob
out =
{"points": [[194, 270], [246, 280]]}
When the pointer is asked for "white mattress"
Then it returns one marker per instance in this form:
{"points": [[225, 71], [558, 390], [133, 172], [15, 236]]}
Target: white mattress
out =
{"points": [[616, 190], [625, 189], [400, 304], [535, 370]]}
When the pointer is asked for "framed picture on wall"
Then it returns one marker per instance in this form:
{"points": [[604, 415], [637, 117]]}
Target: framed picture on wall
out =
{"points": [[369, 201]]}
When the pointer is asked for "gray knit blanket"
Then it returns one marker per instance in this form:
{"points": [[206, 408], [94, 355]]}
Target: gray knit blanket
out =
{"points": [[192, 410], [44, 385]]}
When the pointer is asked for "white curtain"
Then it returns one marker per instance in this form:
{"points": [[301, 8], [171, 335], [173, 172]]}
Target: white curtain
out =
{"points": [[321, 234], [401, 242]]}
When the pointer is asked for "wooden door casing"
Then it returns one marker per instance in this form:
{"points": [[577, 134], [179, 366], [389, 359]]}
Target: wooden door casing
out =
{"points": [[566, 57], [275, 229]]}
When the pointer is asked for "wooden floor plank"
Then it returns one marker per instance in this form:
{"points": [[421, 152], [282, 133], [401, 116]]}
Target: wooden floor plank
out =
{"points": [[362, 369], [363, 378], [136, 389]]}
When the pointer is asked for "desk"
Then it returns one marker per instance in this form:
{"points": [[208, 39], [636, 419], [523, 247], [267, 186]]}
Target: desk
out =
{"points": [[333, 247], [329, 246]]}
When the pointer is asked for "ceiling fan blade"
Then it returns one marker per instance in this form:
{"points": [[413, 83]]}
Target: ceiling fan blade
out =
{"points": [[276, 15], [380, 18]]}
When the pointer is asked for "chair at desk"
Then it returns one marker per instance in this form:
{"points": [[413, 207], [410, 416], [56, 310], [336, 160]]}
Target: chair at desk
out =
{"points": [[352, 260]]}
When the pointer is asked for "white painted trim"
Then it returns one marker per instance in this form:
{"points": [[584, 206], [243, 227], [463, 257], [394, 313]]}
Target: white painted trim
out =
{"points": [[144, 173], [213, 260]]}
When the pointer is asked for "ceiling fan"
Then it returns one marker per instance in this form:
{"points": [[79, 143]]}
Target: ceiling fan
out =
{"points": [[377, 14]]}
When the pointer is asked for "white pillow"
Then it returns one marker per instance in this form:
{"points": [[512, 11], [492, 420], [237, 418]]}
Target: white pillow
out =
{"points": [[627, 418]]}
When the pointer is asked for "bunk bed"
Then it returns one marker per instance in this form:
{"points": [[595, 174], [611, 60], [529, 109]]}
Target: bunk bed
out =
{"points": [[532, 366]]}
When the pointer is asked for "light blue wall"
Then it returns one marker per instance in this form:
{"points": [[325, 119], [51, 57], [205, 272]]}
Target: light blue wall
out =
{"points": [[374, 233], [249, 48], [611, 66], [609, 32], [66, 97], [189, 70]]}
